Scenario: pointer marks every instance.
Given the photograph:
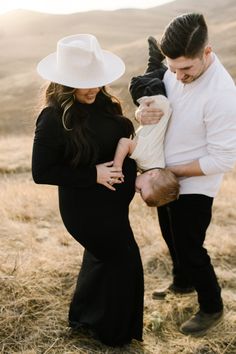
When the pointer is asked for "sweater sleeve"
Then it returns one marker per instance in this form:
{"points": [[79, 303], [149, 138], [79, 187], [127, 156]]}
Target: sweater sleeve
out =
{"points": [[220, 121], [48, 165]]}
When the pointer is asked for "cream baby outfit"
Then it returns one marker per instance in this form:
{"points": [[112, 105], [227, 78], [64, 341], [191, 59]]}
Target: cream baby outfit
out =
{"points": [[149, 152]]}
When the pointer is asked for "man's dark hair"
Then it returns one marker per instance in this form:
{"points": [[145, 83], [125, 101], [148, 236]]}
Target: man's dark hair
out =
{"points": [[186, 35]]}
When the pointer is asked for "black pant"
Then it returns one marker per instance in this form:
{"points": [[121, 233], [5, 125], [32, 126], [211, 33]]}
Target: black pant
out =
{"points": [[183, 224]]}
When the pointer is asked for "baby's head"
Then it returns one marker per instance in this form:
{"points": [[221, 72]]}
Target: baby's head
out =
{"points": [[157, 187]]}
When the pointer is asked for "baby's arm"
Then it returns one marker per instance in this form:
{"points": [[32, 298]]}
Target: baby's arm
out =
{"points": [[124, 147]]}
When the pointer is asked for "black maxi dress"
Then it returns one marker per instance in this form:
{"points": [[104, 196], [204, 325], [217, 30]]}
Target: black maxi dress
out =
{"points": [[109, 293]]}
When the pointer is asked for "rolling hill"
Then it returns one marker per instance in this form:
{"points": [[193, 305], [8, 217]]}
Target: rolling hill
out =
{"points": [[26, 37]]}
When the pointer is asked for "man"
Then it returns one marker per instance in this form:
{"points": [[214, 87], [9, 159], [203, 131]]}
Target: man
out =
{"points": [[200, 146]]}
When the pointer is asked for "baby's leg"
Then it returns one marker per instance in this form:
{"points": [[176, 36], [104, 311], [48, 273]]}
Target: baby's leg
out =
{"points": [[155, 55]]}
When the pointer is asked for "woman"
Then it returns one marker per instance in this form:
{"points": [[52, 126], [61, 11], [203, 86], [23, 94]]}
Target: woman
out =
{"points": [[75, 141]]}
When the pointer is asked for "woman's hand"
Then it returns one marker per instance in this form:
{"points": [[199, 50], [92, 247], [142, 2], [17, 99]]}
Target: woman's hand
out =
{"points": [[146, 114], [108, 175]]}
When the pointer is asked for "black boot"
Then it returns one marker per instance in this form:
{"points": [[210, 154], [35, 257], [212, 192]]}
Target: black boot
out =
{"points": [[172, 289], [199, 323], [155, 55]]}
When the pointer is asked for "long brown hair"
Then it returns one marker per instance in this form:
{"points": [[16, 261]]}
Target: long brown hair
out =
{"points": [[74, 120]]}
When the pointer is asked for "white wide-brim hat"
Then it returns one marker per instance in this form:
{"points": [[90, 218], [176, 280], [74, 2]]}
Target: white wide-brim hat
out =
{"points": [[79, 62]]}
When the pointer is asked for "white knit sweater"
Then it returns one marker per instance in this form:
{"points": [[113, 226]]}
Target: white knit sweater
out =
{"points": [[202, 127]]}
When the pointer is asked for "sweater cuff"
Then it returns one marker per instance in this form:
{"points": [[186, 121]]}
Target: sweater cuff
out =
{"points": [[210, 166]]}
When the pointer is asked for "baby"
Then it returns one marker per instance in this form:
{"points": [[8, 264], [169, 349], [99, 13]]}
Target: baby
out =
{"points": [[156, 184]]}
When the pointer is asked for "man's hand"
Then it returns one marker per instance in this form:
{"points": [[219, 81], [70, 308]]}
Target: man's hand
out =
{"points": [[146, 114]]}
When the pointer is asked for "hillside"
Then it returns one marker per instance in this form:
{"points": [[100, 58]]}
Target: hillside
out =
{"points": [[25, 37], [39, 260]]}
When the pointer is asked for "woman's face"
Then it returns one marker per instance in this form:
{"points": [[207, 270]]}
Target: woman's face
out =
{"points": [[87, 96]]}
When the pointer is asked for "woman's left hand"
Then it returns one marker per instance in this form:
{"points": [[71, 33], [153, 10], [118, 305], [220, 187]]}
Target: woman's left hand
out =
{"points": [[108, 175]]}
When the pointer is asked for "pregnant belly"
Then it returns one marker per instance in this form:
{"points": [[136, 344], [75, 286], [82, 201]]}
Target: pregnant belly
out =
{"points": [[84, 209]]}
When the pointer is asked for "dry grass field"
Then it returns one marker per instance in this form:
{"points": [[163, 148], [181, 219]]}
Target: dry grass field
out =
{"points": [[39, 261]]}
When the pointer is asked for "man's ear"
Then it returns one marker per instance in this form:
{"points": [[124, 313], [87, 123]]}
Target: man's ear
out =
{"points": [[208, 50]]}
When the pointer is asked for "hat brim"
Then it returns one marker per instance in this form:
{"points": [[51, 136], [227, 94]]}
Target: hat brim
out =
{"points": [[113, 68]]}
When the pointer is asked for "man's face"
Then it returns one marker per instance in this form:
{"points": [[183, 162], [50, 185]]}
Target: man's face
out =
{"points": [[186, 69]]}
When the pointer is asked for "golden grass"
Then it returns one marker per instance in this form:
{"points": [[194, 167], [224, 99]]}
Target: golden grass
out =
{"points": [[15, 154], [40, 263]]}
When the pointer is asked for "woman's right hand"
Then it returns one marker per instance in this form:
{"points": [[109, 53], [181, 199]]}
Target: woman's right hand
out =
{"points": [[107, 175], [147, 114]]}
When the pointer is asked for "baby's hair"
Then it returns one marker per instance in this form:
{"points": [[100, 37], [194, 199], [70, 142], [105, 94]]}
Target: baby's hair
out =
{"points": [[164, 189]]}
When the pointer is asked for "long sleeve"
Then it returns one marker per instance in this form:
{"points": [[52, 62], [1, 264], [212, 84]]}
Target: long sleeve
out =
{"points": [[48, 162], [220, 121], [202, 127]]}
